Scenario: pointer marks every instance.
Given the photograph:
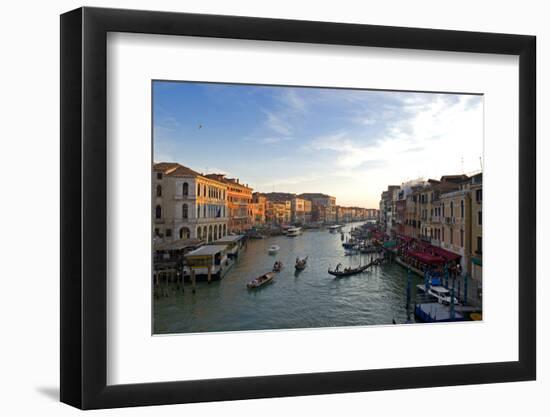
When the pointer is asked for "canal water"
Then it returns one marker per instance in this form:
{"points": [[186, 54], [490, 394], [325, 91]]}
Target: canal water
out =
{"points": [[310, 298]]}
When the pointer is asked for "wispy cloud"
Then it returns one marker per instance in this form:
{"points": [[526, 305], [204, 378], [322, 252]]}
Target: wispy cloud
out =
{"points": [[277, 122], [348, 143]]}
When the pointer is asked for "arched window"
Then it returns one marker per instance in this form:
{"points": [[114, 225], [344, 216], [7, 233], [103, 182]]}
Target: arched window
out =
{"points": [[185, 211], [159, 190], [198, 210], [462, 208], [452, 209], [158, 212], [185, 190], [185, 233], [215, 231], [198, 190]]}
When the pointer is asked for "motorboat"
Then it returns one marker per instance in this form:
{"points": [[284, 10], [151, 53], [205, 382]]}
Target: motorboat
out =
{"points": [[273, 249], [261, 280], [441, 294], [293, 231]]}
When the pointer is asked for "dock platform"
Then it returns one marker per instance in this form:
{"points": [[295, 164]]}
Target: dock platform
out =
{"points": [[436, 313]]}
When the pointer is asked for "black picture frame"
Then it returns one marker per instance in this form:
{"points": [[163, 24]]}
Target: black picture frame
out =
{"points": [[84, 207]]}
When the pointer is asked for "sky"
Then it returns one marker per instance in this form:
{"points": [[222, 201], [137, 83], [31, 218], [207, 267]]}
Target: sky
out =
{"points": [[350, 144]]}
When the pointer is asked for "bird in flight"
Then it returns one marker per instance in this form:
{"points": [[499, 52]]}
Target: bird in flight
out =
{"points": [[200, 127]]}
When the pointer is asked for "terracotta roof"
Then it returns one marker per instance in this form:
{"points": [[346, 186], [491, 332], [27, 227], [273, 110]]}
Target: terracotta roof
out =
{"points": [[182, 171], [165, 167], [222, 178], [173, 169]]}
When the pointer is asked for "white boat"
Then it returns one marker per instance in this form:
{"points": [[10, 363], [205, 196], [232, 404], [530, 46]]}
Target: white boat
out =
{"points": [[273, 249], [293, 231], [335, 228], [441, 294], [261, 280]]}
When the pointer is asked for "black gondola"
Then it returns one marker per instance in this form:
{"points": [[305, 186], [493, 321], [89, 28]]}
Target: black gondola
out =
{"points": [[348, 271]]}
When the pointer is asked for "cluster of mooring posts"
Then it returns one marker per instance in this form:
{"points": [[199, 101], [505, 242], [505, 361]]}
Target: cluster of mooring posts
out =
{"points": [[188, 261], [441, 300]]}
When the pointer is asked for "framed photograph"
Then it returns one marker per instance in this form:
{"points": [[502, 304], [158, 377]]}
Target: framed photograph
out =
{"points": [[258, 207]]}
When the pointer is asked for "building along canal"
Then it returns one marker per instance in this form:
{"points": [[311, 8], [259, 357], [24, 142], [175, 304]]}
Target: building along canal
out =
{"points": [[310, 298]]}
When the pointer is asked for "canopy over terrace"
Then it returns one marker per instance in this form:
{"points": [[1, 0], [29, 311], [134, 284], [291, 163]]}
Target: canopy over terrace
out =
{"points": [[427, 258], [378, 235], [448, 255]]}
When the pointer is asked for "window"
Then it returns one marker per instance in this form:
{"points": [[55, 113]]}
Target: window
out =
{"points": [[158, 212], [157, 231], [185, 190], [479, 218], [185, 211], [479, 195], [452, 210], [168, 232], [462, 208], [198, 211], [198, 190], [159, 175], [479, 245], [443, 234], [462, 238], [159, 190], [451, 233]]}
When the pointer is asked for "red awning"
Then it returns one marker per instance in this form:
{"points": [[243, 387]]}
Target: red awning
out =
{"points": [[427, 258], [448, 255], [405, 238]]}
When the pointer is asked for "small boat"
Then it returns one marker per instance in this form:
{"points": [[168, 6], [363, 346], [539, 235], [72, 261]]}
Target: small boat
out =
{"points": [[347, 271], [335, 228], [350, 244], [370, 249], [273, 249], [442, 295], [277, 266], [261, 280], [301, 264], [293, 231]]}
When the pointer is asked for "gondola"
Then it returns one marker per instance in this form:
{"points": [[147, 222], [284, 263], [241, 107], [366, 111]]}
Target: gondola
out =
{"points": [[277, 266], [348, 271], [301, 264]]}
